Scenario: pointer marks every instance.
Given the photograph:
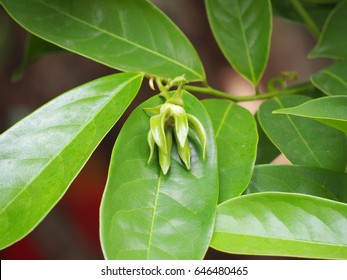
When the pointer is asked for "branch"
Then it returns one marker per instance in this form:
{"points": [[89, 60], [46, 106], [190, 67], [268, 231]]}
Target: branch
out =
{"points": [[297, 89]]}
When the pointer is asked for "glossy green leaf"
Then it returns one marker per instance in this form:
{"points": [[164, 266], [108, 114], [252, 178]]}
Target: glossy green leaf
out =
{"points": [[303, 141], [236, 137], [34, 49], [332, 80], [331, 110], [43, 153], [122, 34], [242, 29], [282, 224], [299, 179], [331, 42], [148, 215]]}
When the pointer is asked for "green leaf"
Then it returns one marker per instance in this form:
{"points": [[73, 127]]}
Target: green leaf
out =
{"points": [[43, 153], [301, 140], [322, 1], [236, 138], [317, 12], [126, 35], [266, 150], [332, 80], [242, 29], [331, 110], [331, 42], [282, 224], [146, 215], [34, 49], [299, 179]]}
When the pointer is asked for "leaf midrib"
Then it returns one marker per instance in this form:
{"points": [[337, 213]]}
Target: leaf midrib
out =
{"points": [[245, 42], [223, 120], [123, 39], [72, 140], [299, 134], [334, 76], [153, 216]]}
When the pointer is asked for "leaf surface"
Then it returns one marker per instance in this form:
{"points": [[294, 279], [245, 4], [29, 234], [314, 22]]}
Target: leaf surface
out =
{"points": [[43, 153], [331, 110], [126, 35], [266, 150], [236, 137], [242, 29], [282, 224], [148, 215], [331, 42], [303, 141], [332, 80], [316, 11], [299, 179]]}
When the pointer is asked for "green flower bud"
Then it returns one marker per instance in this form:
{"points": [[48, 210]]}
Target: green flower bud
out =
{"points": [[180, 123], [171, 119]]}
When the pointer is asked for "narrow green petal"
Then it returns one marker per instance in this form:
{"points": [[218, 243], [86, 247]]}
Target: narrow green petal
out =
{"points": [[198, 128], [164, 159], [181, 128], [184, 153], [151, 144], [157, 124]]}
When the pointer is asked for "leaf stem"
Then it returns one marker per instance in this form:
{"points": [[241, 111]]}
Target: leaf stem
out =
{"points": [[297, 89], [311, 25]]}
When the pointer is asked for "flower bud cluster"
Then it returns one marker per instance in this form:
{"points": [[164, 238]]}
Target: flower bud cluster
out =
{"points": [[172, 121]]}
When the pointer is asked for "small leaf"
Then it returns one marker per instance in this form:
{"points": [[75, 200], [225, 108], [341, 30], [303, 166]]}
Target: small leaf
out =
{"points": [[43, 153], [332, 80], [282, 224], [301, 140], [330, 110], [148, 215], [34, 49], [236, 137], [242, 29], [125, 35], [299, 179], [331, 43]]}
